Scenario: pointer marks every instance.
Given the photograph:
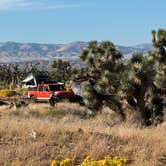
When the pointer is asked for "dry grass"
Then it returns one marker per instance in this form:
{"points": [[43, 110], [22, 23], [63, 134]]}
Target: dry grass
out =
{"points": [[33, 137]]}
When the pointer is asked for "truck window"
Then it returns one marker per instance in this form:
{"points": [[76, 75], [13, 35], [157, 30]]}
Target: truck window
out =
{"points": [[57, 88], [40, 88], [45, 88]]}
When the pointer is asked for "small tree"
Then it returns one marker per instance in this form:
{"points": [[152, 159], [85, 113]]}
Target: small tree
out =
{"points": [[103, 75]]}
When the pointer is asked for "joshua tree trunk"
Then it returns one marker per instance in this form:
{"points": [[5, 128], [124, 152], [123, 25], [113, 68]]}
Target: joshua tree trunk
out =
{"points": [[141, 108]]}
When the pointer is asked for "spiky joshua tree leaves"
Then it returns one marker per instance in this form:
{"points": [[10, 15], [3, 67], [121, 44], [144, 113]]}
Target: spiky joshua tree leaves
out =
{"points": [[159, 42], [144, 88], [141, 82], [104, 73], [140, 90]]}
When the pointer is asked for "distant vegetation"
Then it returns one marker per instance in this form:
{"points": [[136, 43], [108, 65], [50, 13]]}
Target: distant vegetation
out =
{"points": [[11, 75]]}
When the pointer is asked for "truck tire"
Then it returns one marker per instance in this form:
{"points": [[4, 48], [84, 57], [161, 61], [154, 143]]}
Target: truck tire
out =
{"points": [[33, 99]]}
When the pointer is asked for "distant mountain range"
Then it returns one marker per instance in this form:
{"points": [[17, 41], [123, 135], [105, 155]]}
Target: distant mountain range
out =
{"points": [[11, 52]]}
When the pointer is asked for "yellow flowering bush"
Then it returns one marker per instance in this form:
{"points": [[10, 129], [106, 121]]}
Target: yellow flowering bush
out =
{"points": [[66, 162], [6, 93], [55, 163], [107, 161], [68, 86]]}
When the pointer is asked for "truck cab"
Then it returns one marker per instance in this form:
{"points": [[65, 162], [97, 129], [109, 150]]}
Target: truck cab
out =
{"points": [[43, 92]]}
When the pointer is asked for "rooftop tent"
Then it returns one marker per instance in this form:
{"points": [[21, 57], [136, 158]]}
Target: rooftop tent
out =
{"points": [[27, 79], [41, 78], [32, 80]]}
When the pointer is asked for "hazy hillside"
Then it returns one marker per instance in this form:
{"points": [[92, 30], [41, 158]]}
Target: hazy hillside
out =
{"points": [[21, 52]]}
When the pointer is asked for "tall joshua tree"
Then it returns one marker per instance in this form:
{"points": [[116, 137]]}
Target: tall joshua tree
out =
{"points": [[104, 70], [140, 90], [146, 80], [159, 42], [141, 82]]}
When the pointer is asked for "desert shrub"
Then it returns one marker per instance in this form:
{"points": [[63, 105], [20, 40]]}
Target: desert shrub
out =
{"points": [[107, 161], [56, 113], [35, 114], [23, 91], [6, 93], [15, 113], [26, 114], [66, 162], [53, 113]]}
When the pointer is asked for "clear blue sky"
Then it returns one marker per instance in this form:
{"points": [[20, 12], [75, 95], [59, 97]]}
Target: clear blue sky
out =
{"points": [[125, 22]]}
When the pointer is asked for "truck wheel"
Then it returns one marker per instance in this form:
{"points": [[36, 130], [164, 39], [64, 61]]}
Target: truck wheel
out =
{"points": [[33, 99]]}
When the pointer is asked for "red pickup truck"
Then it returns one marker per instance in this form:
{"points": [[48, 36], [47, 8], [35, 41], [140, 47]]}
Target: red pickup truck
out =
{"points": [[43, 92]]}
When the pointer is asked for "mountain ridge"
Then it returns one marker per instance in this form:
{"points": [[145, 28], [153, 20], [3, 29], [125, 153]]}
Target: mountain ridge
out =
{"points": [[11, 52]]}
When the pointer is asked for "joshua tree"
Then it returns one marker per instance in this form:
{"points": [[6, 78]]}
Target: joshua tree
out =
{"points": [[140, 82], [145, 87], [62, 70], [140, 90], [159, 42], [103, 75]]}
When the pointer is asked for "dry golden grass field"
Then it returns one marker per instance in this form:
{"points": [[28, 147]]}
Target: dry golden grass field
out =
{"points": [[35, 135]]}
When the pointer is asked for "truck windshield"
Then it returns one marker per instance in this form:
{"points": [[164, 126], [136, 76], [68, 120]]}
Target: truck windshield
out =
{"points": [[56, 87]]}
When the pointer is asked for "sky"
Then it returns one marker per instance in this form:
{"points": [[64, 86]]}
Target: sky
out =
{"points": [[124, 22]]}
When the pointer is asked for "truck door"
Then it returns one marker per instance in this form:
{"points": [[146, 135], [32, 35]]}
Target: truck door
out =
{"points": [[40, 93], [46, 93]]}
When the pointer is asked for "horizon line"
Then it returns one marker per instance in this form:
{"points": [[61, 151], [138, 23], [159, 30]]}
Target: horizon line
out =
{"points": [[77, 41]]}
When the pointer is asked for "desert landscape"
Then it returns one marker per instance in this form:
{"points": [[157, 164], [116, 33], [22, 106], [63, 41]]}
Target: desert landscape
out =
{"points": [[36, 135], [82, 83]]}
